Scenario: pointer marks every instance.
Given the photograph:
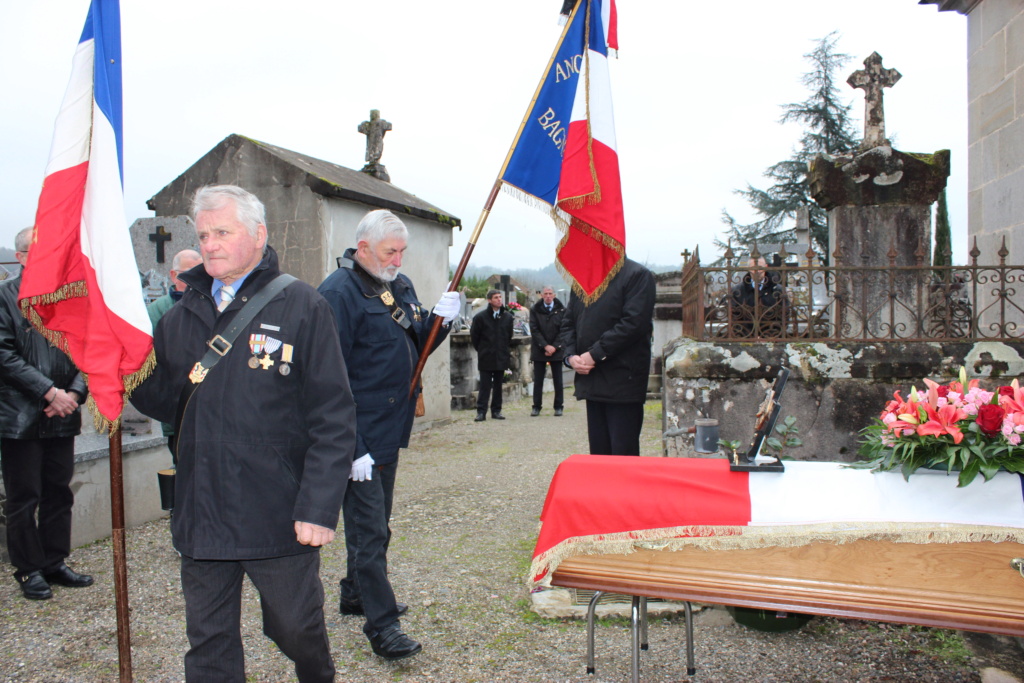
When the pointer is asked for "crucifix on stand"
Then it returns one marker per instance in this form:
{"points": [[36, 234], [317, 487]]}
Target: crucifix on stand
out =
{"points": [[871, 79]]}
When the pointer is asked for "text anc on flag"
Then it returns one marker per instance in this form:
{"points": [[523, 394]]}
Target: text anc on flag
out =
{"points": [[565, 157]]}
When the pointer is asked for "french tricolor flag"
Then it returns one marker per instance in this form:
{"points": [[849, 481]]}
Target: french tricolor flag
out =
{"points": [[81, 286], [566, 156]]}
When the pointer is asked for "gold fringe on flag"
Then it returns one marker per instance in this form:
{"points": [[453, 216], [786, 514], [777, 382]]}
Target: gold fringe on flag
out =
{"points": [[73, 290], [603, 238]]}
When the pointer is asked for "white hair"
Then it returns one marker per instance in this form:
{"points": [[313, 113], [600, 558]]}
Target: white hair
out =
{"points": [[379, 225], [249, 209]]}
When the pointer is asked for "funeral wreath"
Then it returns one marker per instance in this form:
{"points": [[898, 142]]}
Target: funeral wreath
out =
{"points": [[956, 426]]}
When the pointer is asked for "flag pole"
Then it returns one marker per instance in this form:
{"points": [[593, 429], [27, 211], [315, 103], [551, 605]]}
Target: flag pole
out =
{"points": [[124, 637], [488, 205]]}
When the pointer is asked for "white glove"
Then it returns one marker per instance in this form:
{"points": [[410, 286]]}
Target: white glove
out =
{"points": [[362, 469], [447, 306]]}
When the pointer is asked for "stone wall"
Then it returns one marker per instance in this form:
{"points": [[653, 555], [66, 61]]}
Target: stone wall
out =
{"points": [[995, 138], [834, 390]]}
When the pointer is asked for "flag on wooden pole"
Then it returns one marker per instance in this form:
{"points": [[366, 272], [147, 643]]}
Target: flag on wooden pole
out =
{"points": [[81, 285], [565, 156]]}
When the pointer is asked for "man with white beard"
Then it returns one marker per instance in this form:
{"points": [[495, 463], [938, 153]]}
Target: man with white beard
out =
{"points": [[383, 330]]}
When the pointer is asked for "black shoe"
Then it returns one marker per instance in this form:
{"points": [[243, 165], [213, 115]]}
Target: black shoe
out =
{"points": [[497, 416], [62, 575], [535, 412], [480, 416], [558, 412], [392, 644], [356, 608], [34, 586]]}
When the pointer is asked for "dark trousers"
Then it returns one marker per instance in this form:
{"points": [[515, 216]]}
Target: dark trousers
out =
{"points": [[292, 600], [490, 390], [367, 512], [614, 428], [539, 370], [37, 474]]}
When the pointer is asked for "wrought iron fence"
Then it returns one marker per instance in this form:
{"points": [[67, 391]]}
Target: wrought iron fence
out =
{"points": [[800, 299]]}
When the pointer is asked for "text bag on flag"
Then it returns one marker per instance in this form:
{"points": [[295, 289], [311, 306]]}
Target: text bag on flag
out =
{"points": [[81, 287], [566, 157]]}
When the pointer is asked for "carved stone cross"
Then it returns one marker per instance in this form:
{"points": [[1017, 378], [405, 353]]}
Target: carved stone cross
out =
{"points": [[160, 235], [374, 130], [871, 80]]}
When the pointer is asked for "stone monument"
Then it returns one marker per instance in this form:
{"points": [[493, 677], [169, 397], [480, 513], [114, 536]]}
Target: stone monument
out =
{"points": [[374, 130], [155, 242], [879, 214]]}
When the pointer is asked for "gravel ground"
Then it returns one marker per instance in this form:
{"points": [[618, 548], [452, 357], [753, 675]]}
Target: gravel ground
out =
{"points": [[466, 511]]}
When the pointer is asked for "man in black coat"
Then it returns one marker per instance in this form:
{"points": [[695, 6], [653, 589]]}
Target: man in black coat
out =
{"points": [[491, 334], [40, 394], [758, 302], [608, 344], [545, 322], [264, 444]]}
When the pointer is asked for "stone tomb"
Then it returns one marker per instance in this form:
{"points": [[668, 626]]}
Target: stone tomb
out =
{"points": [[155, 242]]}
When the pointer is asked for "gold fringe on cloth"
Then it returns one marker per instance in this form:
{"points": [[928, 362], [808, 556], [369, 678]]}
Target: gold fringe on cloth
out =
{"points": [[129, 382], [744, 537]]}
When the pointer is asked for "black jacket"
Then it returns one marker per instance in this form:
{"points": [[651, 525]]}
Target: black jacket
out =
{"points": [[257, 449], [380, 356], [492, 339], [29, 366], [616, 330], [544, 328]]}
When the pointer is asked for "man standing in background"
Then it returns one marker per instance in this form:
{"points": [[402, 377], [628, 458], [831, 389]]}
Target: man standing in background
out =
{"points": [[545, 321], [40, 394], [491, 334], [186, 259]]}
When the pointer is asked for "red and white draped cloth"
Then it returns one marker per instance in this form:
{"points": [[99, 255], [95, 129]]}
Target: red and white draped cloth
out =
{"points": [[81, 285], [598, 504]]}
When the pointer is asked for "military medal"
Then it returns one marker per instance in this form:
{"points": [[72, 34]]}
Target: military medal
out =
{"points": [[257, 342], [270, 346], [387, 298], [286, 358], [198, 373]]}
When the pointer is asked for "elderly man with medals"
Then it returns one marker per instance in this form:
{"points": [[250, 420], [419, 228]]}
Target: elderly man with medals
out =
{"points": [[250, 373], [383, 329]]}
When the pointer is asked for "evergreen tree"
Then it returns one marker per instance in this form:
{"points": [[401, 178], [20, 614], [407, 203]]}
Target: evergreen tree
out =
{"points": [[942, 256], [828, 129]]}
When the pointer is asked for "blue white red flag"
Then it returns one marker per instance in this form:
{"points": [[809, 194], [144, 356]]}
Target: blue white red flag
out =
{"points": [[566, 156], [81, 286]]}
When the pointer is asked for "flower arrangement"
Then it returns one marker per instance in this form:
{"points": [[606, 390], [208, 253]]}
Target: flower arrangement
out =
{"points": [[515, 305], [955, 426]]}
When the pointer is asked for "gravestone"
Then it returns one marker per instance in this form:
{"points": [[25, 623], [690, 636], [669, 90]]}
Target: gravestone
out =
{"points": [[879, 213], [155, 242]]}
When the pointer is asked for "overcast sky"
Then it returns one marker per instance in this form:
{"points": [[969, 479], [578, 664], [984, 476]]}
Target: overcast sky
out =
{"points": [[697, 90]]}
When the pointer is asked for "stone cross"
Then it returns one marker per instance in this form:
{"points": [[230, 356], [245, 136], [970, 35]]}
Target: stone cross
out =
{"points": [[871, 80], [374, 130], [160, 235]]}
